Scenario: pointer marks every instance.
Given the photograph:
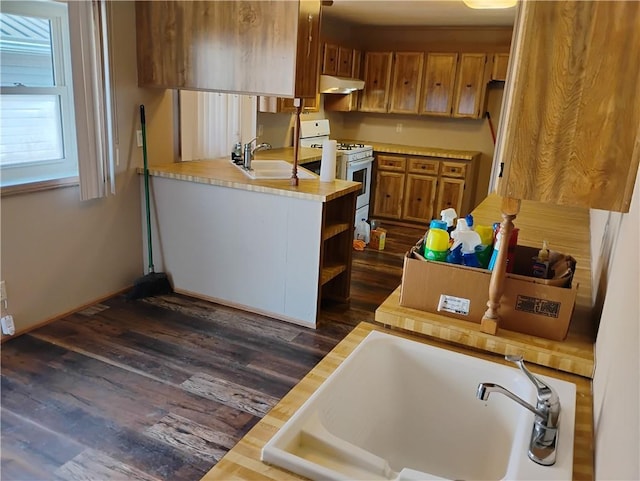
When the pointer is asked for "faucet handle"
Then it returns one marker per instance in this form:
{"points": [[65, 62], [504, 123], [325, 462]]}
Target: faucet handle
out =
{"points": [[545, 393]]}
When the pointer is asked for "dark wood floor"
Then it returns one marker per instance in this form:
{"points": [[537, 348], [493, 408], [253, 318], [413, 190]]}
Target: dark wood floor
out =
{"points": [[162, 388]]}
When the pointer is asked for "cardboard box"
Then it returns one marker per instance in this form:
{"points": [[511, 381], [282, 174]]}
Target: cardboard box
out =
{"points": [[528, 305], [378, 239]]}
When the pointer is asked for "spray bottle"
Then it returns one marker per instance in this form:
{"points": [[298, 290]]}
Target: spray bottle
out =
{"points": [[468, 240], [448, 216]]}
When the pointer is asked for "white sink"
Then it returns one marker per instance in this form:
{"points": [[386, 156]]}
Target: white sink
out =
{"points": [[274, 169], [396, 409]]}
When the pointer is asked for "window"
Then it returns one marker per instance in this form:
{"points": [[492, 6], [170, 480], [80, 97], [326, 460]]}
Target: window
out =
{"points": [[37, 127], [211, 123]]}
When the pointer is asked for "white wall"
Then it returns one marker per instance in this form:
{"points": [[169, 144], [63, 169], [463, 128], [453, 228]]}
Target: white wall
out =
{"points": [[616, 383], [59, 253]]}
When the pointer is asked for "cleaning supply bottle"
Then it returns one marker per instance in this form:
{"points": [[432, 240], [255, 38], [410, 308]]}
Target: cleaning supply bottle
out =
{"points": [[540, 266], [468, 240], [363, 231], [511, 248], [484, 250], [448, 216], [436, 242]]}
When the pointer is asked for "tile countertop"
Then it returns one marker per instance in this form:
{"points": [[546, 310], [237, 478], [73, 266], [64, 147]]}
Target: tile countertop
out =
{"points": [[221, 172], [422, 151], [243, 461]]}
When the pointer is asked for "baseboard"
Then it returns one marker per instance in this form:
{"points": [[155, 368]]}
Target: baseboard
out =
{"points": [[64, 314]]}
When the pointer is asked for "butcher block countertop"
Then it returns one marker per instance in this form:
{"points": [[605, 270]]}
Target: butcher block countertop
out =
{"points": [[221, 172], [567, 230], [243, 461], [421, 151]]}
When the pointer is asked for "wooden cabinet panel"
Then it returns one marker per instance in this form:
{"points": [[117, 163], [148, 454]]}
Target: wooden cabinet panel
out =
{"points": [[347, 102], [470, 85], [178, 46], [453, 169], [345, 59], [500, 64], [276, 105], [419, 198], [423, 165], [407, 78], [330, 59], [389, 194], [377, 79], [356, 64], [439, 83], [391, 162], [450, 194], [569, 128], [416, 189]]}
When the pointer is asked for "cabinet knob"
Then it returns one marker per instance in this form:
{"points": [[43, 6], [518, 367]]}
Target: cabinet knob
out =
{"points": [[419, 199], [406, 82], [423, 167], [438, 84], [468, 86], [388, 195]]}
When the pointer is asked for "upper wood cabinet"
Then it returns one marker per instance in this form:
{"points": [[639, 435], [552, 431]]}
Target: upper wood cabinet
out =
{"points": [[345, 61], [471, 85], [405, 87], [346, 102], [330, 59], [439, 83], [569, 127], [377, 79], [278, 105], [499, 67], [253, 47]]}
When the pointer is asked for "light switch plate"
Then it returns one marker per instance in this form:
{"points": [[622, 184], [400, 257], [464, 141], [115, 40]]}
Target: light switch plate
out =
{"points": [[139, 138], [8, 328]]}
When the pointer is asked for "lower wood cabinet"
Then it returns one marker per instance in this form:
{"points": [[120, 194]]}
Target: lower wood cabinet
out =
{"points": [[417, 188]]}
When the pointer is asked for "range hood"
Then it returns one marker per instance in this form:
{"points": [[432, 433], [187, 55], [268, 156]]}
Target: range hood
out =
{"points": [[339, 85]]}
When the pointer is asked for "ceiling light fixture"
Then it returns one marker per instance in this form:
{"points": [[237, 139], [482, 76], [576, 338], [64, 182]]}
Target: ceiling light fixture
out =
{"points": [[485, 4]]}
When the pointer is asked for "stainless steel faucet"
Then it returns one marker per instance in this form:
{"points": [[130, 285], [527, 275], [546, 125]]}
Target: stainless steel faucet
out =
{"points": [[248, 153], [544, 435]]}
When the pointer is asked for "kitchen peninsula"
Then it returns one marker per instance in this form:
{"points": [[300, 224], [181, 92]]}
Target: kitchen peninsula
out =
{"points": [[259, 245]]}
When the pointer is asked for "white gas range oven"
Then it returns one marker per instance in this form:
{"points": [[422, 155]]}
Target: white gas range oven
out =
{"points": [[354, 161]]}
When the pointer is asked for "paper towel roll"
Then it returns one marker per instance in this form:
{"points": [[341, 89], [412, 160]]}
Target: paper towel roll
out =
{"points": [[328, 163]]}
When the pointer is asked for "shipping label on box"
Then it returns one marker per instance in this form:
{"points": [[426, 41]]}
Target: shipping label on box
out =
{"points": [[527, 305]]}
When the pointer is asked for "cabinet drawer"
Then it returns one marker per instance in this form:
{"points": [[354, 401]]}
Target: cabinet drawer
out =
{"points": [[453, 169], [423, 166], [388, 162]]}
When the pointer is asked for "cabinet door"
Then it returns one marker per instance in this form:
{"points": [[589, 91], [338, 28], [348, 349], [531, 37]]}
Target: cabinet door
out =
{"points": [[572, 137], [407, 79], [450, 194], [391, 162], [345, 59], [330, 59], [470, 85], [388, 194], [419, 198], [377, 79], [500, 64], [439, 83], [276, 56]]}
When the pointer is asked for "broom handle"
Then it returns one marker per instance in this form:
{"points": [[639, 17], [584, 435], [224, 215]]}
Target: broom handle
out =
{"points": [[146, 187]]}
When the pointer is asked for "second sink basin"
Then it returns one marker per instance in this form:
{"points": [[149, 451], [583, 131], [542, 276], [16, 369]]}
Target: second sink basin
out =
{"points": [[398, 410], [274, 169]]}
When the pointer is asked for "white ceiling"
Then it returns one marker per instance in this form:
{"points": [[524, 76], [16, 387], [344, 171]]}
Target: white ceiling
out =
{"points": [[416, 12]]}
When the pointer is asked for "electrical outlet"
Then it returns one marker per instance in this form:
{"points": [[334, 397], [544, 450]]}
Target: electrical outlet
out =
{"points": [[139, 138], [398, 128], [8, 327], [3, 292]]}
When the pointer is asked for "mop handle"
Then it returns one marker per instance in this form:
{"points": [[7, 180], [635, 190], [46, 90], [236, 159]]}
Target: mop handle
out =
{"points": [[146, 187]]}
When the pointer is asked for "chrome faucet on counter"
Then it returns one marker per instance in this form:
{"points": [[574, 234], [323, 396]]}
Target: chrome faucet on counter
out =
{"points": [[542, 448], [248, 153]]}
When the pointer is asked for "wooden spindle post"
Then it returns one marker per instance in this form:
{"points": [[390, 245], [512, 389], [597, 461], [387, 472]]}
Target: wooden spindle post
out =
{"points": [[491, 319], [297, 103]]}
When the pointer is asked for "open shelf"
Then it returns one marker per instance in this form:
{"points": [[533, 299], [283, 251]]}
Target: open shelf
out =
{"points": [[330, 271], [334, 229]]}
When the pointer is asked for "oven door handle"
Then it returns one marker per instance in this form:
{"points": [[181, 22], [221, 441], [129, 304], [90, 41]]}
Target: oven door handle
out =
{"points": [[361, 162]]}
